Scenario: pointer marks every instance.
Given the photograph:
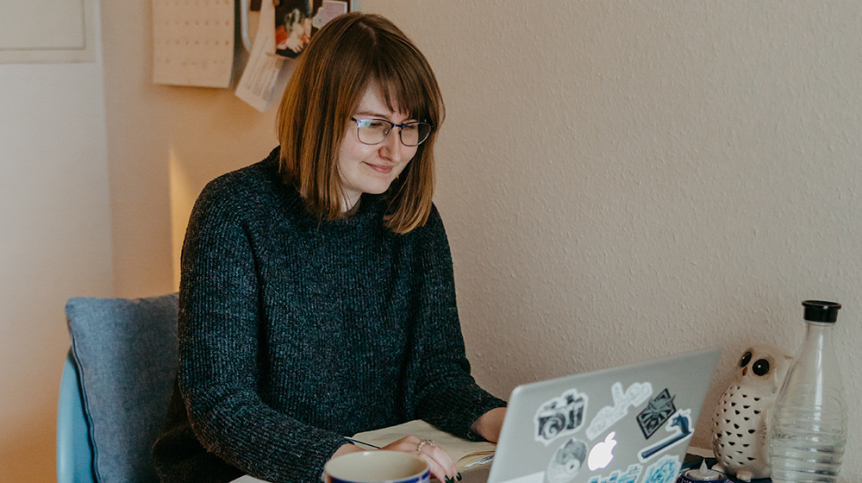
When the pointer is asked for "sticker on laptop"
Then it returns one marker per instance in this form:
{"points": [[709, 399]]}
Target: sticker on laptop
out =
{"points": [[682, 429], [630, 476], [560, 416], [657, 412], [567, 461], [664, 470], [635, 395], [602, 453]]}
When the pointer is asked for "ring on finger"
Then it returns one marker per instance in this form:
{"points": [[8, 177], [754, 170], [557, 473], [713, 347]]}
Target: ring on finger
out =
{"points": [[422, 443]]}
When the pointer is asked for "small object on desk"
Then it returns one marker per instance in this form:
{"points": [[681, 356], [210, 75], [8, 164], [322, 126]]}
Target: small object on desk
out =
{"points": [[702, 474], [356, 441], [741, 418], [485, 460], [810, 415]]}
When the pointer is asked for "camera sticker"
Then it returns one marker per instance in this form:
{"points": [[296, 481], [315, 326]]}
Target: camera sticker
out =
{"points": [[561, 415], [657, 412], [616, 476], [664, 470], [567, 461], [680, 425], [636, 394]]}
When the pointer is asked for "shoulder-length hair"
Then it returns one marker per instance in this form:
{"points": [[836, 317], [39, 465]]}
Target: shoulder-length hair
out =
{"points": [[349, 54]]}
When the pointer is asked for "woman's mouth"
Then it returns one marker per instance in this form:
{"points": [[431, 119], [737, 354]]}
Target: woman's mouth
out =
{"points": [[380, 168]]}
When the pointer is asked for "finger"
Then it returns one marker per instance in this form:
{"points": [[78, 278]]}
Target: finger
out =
{"points": [[439, 461], [437, 471], [442, 458]]}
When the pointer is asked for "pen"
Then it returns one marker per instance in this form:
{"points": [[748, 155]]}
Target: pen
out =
{"points": [[356, 441]]}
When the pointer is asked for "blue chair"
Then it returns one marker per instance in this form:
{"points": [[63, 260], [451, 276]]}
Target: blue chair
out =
{"points": [[116, 387], [74, 452]]}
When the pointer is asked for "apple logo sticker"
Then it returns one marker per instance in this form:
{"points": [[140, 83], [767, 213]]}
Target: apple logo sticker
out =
{"points": [[602, 453]]}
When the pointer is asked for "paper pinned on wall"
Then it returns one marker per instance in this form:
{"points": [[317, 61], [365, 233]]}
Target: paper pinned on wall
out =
{"points": [[295, 24], [193, 42], [259, 77], [328, 10]]}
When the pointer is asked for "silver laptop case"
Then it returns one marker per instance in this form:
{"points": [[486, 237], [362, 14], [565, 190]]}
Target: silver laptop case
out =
{"points": [[629, 424]]}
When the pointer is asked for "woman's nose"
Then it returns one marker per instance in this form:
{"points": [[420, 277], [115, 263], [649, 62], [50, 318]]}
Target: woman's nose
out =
{"points": [[392, 147]]}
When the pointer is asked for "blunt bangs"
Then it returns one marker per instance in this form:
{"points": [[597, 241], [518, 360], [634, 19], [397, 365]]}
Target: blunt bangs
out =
{"points": [[403, 81]]}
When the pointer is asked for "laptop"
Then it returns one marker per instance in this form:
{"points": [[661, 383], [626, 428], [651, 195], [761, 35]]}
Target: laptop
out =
{"points": [[629, 424]]}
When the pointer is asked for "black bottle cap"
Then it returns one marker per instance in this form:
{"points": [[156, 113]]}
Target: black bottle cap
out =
{"points": [[821, 311]]}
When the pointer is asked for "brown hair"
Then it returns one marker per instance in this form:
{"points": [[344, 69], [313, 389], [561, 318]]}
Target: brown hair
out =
{"points": [[346, 56]]}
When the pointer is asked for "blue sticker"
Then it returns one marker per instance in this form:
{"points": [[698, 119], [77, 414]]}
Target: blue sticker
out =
{"points": [[664, 470], [630, 476], [681, 427]]}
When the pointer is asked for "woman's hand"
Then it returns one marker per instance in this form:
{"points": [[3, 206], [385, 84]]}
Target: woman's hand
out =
{"points": [[441, 464]]}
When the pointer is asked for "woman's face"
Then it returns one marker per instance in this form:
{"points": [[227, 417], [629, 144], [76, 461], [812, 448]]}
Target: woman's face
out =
{"points": [[372, 168]]}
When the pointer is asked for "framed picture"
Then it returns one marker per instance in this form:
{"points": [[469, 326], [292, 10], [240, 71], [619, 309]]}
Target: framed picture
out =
{"points": [[297, 20]]}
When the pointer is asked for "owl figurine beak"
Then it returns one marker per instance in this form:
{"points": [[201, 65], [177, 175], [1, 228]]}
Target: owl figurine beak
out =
{"points": [[745, 370]]}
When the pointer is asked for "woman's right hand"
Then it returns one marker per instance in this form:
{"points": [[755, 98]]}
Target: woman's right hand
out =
{"points": [[441, 464]]}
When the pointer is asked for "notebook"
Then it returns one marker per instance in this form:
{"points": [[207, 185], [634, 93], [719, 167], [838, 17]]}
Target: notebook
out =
{"points": [[629, 424]]}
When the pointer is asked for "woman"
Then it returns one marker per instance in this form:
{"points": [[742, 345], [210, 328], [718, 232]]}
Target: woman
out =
{"points": [[317, 296]]}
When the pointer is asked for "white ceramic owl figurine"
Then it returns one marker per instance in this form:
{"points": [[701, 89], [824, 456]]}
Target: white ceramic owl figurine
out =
{"points": [[741, 419]]}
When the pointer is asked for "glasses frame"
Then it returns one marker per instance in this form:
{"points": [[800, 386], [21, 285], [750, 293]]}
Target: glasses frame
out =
{"points": [[399, 126]]}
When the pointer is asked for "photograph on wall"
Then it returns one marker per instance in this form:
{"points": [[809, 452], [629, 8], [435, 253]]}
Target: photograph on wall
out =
{"points": [[297, 20]]}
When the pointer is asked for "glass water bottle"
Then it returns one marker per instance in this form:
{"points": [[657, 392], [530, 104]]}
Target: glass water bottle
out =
{"points": [[808, 428]]}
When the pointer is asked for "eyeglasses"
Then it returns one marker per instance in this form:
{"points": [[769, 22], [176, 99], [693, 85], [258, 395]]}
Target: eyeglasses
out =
{"points": [[375, 131]]}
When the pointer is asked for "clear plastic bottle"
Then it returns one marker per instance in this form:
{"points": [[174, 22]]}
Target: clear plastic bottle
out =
{"points": [[808, 428]]}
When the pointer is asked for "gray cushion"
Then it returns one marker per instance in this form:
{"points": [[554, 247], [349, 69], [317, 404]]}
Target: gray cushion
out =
{"points": [[126, 353]]}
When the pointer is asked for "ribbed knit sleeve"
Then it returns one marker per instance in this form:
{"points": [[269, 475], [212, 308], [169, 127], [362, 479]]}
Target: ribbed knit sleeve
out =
{"points": [[441, 389], [219, 342]]}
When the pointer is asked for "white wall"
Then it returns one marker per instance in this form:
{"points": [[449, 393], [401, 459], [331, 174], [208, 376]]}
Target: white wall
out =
{"points": [[55, 243], [164, 144], [625, 180]]}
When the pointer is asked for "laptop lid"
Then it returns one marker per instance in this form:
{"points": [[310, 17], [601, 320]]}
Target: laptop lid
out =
{"points": [[629, 424]]}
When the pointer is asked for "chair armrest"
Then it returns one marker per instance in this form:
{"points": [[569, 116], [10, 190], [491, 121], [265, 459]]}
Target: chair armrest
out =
{"points": [[74, 450]]}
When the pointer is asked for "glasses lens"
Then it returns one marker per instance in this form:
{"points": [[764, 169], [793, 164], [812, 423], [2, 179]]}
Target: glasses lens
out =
{"points": [[373, 131], [415, 133]]}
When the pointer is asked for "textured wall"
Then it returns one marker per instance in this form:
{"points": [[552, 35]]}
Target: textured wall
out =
{"points": [[625, 180], [55, 243], [164, 144]]}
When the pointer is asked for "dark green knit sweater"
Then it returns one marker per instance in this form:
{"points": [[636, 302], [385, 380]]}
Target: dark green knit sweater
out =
{"points": [[294, 333]]}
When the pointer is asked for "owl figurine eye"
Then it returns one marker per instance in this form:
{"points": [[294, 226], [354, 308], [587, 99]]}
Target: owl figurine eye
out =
{"points": [[761, 367], [746, 358]]}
